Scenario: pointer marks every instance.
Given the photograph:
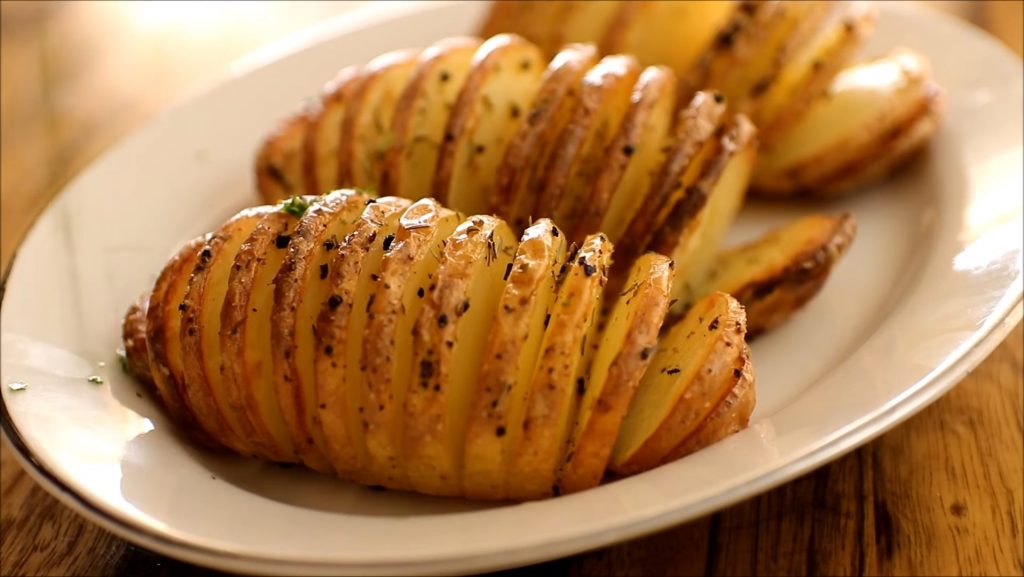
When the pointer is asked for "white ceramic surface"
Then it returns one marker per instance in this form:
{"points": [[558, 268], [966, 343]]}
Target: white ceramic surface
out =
{"points": [[930, 287]]}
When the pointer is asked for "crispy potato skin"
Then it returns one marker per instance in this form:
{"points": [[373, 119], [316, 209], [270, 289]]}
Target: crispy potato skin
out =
{"points": [[136, 347], [279, 164], [772, 293], [731, 416], [722, 367], [161, 328]]}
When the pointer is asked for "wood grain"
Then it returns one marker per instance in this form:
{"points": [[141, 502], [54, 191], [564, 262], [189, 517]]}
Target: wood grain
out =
{"points": [[941, 494]]}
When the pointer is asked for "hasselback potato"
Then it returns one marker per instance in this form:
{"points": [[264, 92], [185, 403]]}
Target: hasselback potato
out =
{"points": [[785, 64], [399, 343], [595, 144]]}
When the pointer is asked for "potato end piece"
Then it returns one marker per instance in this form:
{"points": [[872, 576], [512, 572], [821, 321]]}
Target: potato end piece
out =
{"points": [[731, 417], [775, 276], [698, 363], [136, 351]]}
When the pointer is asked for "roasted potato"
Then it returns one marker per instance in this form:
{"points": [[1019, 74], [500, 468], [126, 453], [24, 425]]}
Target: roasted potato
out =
{"points": [[773, 60], [674, 398], [442, 355], [774, 276], [874, 113]]}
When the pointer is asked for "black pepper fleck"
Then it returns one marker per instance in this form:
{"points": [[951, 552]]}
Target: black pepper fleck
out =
{"points": [[334, 301], [282, 241], [323, 271]]}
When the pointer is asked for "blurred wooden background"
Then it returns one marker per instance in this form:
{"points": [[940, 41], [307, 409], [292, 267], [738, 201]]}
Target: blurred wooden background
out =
{"points": [[941, 494]]}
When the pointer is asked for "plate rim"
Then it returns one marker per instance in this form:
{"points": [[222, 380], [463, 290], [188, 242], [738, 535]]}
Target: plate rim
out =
{"points": [[918, 395]]}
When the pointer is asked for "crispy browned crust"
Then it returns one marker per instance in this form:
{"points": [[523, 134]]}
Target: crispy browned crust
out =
{"points": [[166, 380], [553, 390], [234, 318], [731, 416], [430, 468], [655, 83], [697, 124], [722, 367], [773, 296], [587, 459]]}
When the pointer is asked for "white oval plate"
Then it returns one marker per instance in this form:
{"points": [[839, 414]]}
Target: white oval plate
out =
{"points": [[930, 287]]}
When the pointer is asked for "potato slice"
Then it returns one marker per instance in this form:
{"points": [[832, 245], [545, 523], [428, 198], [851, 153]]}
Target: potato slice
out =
{"points": [[552, 402], [513, 346], [579, 152], [162, 328], [280, 172], [422, 114], [631, 161], [867, 106], [521, 171], [776, 275], [891, 151], [366, 132], [408, 269], [448, 350], [673, 34], [505, 74], [626, 347], [698, 131], [808, 74], [750, 50], [698, 363], [245, 343], [731, 416], [300, 287], [321, 161], [340, 330], [697, 226], [222, 416]]}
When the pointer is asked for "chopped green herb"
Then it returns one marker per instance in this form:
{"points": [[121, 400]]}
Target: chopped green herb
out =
{"points": [[17, 386], [95, 379], [122, 359], [295, 206]]}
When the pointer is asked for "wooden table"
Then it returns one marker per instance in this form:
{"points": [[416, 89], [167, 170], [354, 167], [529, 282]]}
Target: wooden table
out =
{"points": [[941, 494]]}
